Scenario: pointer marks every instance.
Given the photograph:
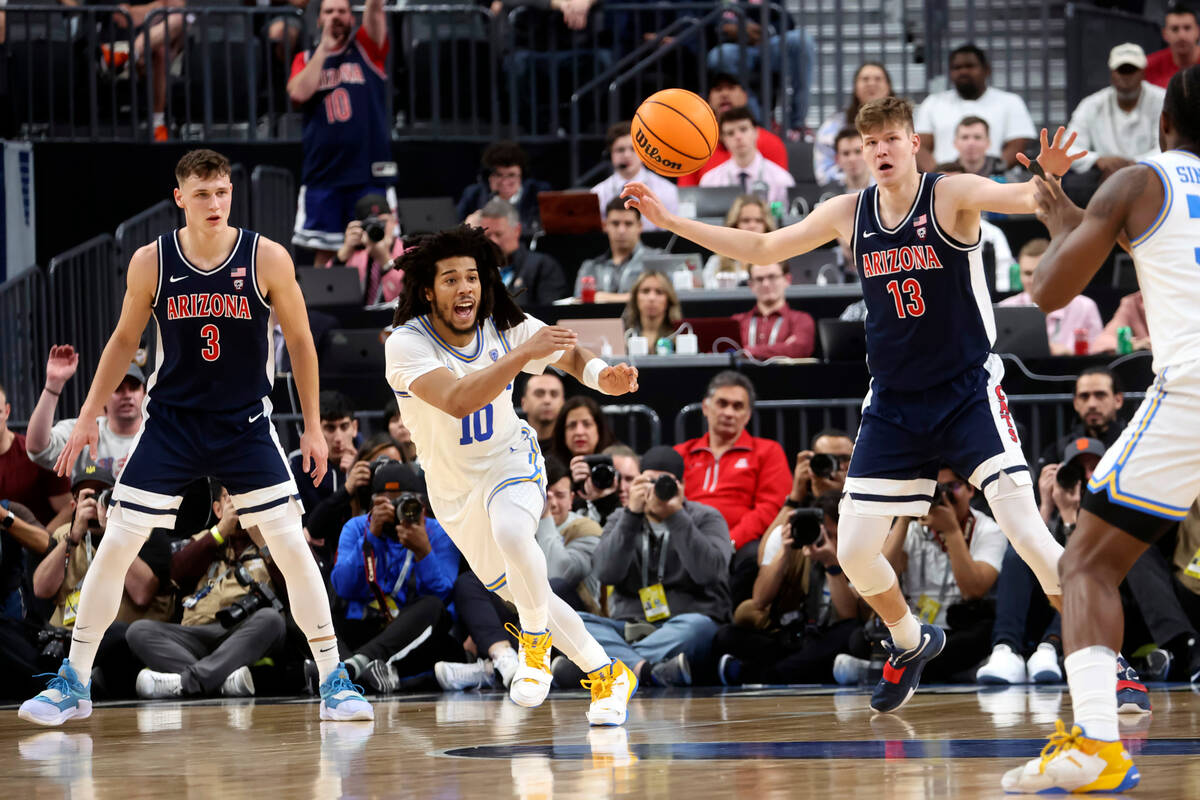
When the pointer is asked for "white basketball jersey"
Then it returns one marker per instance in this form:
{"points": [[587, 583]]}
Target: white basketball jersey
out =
{"points": [[457, 453], [1167, 259]]}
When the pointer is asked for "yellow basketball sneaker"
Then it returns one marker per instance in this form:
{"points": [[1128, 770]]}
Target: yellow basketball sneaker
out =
{"points": [[531, 681], [611, 687], [1071, 762]]}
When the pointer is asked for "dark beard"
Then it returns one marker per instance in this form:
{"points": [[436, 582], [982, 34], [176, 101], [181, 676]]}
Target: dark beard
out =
{"points": [[448, 320]]}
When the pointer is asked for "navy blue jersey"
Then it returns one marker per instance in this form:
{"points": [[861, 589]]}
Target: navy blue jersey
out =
{"points": [[929, 315], [214, 330], [346, 128]]}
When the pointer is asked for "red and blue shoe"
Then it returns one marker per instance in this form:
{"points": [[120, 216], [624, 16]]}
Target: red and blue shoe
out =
{"points": [[1132, 697], [902, 672]]}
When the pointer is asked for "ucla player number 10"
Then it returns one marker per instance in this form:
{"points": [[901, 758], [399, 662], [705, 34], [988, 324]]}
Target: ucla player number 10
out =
{"points": [[477, 427]]}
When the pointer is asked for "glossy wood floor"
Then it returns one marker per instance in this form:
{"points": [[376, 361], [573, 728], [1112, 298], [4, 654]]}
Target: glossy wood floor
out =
{"points": [[759, 744]]}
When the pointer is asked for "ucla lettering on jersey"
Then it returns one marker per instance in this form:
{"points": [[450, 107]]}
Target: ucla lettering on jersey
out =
{"points": [[214, 330], [929, 314]]}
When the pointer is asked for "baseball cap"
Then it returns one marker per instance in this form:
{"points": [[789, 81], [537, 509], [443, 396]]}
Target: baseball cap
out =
{"points": [[1127, 53], [371, 205], [722, 79], [1084, 444], [88, 473], [396, 477], [136, 373], [663, 458]]}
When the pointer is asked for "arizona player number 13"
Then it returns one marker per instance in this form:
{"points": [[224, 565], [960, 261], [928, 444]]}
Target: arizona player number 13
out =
{"points": [[914, 304]]}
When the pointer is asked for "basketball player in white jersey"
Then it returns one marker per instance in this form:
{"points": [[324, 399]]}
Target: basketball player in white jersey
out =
{"points": [[460, 342], [1147, 480]]}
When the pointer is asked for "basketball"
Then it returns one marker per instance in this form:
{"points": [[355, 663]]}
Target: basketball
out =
{"points": [[674, 132]]}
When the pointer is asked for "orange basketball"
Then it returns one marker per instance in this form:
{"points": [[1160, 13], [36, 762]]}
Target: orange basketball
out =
{"points": [[674, 132]]}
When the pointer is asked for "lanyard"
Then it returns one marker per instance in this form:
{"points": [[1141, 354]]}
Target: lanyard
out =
{"points": [[662, 555], [949, 567], [774, 329]]}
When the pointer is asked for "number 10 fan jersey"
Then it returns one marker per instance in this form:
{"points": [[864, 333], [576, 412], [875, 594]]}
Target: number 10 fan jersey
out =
{"points": [[458, 453]]}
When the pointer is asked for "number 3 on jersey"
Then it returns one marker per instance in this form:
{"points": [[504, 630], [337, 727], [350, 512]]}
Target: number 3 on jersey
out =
{"points": [[477, 427], [914, 305], [212, 342]]}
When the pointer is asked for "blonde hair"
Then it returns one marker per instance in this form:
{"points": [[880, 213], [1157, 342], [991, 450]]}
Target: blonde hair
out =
{"points": [[725, 263], [879, 114], [632, 318]]}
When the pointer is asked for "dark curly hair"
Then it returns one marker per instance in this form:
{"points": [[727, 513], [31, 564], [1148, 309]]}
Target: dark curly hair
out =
{"points": [[1182, 103], [419, 263]]}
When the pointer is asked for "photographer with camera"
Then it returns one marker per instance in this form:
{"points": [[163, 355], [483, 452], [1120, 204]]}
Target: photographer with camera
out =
{"points": [[948, 562], [602, 481], [820, 469], [147, 594], [667, 560], [231, 619], [395, 572], [803, 610], [369, 246]]}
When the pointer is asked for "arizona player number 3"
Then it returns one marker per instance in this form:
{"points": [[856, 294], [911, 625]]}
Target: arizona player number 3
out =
{"points": [[212, 342]]}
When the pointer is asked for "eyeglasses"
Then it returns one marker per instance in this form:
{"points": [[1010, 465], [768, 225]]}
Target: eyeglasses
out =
{"points": [[950, 486]]}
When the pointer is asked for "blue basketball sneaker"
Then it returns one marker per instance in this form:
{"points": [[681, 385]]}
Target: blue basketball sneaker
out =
{"points": [[902, 672], [64, 698], [341, 700], [1132, 697]]}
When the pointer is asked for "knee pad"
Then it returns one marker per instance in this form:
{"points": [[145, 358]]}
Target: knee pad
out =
{"points": [[1017, 514], [860, 546]]}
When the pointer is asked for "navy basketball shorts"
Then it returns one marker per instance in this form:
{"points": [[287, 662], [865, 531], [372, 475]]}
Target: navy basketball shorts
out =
{"points": [[177, 445], [906, 436], [322, 213]]}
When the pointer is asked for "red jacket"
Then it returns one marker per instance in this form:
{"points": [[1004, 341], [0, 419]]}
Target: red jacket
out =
{"points": [[1160, 67], [748, 486], [770, 145], [793, 339]]}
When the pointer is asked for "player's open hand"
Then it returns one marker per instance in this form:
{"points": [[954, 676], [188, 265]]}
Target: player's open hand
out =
{"points": [[314, 455], [618, 379], [550, 340], [638, 195], [86, 433], [1054, 158], [1054, 209]]}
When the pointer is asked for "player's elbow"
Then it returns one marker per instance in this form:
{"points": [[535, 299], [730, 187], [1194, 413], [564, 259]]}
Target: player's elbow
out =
{"points": [[1045, 297]]}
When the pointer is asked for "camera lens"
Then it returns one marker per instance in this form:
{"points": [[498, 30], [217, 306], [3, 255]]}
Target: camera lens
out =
{"points": [[665, 488], [806, 526], [603, 476], [373, 227], [822, 465], [408, 509], [1069, 475]]}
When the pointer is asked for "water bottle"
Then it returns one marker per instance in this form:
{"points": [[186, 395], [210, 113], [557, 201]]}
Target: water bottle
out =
{"points": [[664, 347], [777, 211], [587, 289], [1081, 341], [1014, 277], [1124, 340]]}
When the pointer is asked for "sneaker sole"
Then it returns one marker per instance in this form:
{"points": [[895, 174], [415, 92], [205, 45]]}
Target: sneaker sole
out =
{"points": [[1047, 677], [916, 681], [331, 715], [995, 680], [617, 724], [82, 710], [532, 703]]}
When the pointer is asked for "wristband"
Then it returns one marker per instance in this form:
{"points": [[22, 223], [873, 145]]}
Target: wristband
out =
{"points": [[790, 503], [833, 569], [51, 391], [591, 373], [216, 534]]}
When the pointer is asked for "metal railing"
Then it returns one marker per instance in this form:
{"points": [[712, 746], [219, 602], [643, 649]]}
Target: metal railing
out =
{"points": [[25, 334], [273, 203], [635, 424], [144, 226]]}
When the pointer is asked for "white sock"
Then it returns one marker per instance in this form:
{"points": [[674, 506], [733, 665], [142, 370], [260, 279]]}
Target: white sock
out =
{"points": [[906, 631], [514, 513], [1092, 678]]}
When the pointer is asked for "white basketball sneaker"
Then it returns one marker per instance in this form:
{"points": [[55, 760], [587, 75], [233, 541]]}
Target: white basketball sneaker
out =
{"points": [[611, 687], [1003, 667], [1071, 762], [152, 685], [1043, 665], [531, 682]]}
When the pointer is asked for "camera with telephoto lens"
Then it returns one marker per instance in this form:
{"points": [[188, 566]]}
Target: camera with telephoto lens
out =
{"points": [[373, 228], [806, 526], [822, 465], [259, 596], [1069, 475], [408, 507], [604, 474], [665, 488]]}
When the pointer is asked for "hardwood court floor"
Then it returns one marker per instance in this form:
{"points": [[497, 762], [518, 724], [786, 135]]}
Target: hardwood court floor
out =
{"points": [[758, 744]]}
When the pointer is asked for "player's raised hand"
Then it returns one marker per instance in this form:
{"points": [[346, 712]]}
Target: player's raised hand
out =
{"points": [[314, 455], [550, 340], [1054, 158], [638, 195], [60, 366], [1054, 208], [86, 433], [618, 379]]}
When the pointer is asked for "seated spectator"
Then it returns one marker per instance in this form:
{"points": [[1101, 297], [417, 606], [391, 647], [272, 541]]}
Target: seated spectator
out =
{"points": [[395, 573], [616, 270], [19, 531], [1061, 325], [580, 430], [725, 92], [748, 213], [118, 425], [340, 429], [1131, 313], [771, 328], [628, 167], [803, 610], [1009, 124], [948, 561], [848, 156], [871, 82], [821, 469], [743, 477], [147, 590], [534, 279], [1118, 125], [746, 167], [363, 251], [40, 490], [653, 309], [541, 401], [1097, 401], [226, 625], [667, 560], [504, 170], [568, 541], [399, 432], [731, 56], [598, 503], [1181, 32], [972, 141]]}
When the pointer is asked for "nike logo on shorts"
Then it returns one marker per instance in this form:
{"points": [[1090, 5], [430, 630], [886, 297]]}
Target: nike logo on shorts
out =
{"points": [[256, 416], [178, 278]]}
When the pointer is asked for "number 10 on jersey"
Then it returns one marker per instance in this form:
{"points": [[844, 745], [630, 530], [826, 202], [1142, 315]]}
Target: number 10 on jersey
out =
{"points": [[477, 427]]}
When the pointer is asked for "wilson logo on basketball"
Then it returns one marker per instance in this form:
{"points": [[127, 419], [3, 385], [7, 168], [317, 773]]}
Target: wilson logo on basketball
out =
{"points": [[208, 305], [652, 153]]}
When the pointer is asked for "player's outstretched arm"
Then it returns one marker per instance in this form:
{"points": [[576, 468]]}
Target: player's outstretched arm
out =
{"points": [[459, 397], [140, 285], [1079, 245], [277, 276], [976, 193], [830, 220], [613, 380]]}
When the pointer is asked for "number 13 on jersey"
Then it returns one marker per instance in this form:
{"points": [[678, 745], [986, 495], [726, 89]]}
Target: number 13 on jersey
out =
{"points": [[907, 297]]}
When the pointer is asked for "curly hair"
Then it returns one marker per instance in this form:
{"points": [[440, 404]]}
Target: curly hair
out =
{"points": [[420, 261]]}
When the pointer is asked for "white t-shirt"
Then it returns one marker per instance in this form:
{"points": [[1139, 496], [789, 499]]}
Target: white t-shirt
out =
{"points": [[1104, 129], [1006, 115], [457, 453], [114, 448], [928, 568]]}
